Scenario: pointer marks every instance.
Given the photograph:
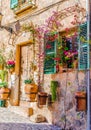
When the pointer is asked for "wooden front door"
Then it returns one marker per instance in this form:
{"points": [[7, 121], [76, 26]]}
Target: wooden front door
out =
{"points": [[24, 56]]}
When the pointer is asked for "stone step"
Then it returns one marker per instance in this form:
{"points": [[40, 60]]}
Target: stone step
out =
{"points": [[24, 103], [12, 121], [43, 110], [24, 111], [32, 109], [25, 108]]}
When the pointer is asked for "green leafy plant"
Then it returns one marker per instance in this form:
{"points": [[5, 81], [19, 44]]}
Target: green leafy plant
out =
{"points": [[28, 81], [3, 85], [3, 74], [54, 85]]}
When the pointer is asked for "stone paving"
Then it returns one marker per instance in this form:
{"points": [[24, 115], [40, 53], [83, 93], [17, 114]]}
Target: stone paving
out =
{"points": [[12, 121]]}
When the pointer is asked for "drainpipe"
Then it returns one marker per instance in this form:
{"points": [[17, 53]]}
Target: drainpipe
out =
{"points": [[88, 71]]}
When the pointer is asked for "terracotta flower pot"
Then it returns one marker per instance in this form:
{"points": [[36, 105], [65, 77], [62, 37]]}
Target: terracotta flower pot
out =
{"points": [[11, 70], [81, 101], [4, 93], [31, 91], [80, 94], [31, 88], [42, 97], [31, 97], [60, 68], [75, 64]]}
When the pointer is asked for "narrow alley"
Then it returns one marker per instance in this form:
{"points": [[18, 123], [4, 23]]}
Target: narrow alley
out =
{"points": [[12, 121]]}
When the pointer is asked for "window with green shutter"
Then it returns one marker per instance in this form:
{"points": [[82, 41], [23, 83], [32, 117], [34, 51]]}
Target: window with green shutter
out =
{"points": [[13, 3], [50, 53], [49, 64], [83, 51]]}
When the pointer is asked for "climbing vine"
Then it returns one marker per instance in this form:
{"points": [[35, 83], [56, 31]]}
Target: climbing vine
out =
{"points": [[52, 24]]}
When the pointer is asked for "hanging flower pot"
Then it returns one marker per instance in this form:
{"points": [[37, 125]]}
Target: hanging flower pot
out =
{"points": [[31, 97], [42, 98], [11, 66], [30, 90], [12, 69], [81, 101], [4, 91]]}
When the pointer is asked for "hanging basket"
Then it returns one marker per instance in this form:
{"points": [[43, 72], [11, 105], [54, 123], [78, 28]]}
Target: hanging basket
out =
{"points": [[42, 98], [81, 101]]}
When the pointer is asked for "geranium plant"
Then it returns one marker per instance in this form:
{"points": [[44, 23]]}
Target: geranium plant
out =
{"points": [[10, 64]]}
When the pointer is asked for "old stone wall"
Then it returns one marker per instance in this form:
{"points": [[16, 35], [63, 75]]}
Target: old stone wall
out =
{"points": [[66, 105]]}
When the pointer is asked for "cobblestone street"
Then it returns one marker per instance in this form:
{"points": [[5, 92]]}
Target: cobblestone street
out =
{"points": [[12, 121]]}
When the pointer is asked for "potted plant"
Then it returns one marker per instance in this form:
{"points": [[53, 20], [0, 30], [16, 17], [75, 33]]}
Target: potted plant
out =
{"points": [[60, 67], [75, 63], [3, 75], [4, 91], [81, 100], [42, 97], [31, 89], [10, 65], [71, 58]]}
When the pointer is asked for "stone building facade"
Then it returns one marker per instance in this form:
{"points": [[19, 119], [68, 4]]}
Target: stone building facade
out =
{"points": [[63, 111]]}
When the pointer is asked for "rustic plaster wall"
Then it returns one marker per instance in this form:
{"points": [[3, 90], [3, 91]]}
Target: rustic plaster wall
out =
{"points": [[68, 85], [76, 120]]}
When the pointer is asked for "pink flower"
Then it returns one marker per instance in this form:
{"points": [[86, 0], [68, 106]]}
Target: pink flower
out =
{"points": [[10, 62]]}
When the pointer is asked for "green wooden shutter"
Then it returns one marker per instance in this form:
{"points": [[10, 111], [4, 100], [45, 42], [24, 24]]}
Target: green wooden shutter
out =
{"points": [[50, 54], [83, 52], [13, 3]]}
